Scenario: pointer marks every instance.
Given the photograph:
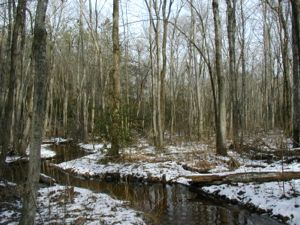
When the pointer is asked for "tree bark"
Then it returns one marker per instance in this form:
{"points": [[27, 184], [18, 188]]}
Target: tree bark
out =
{"points": [[243, 62], [296, 70], [116, 123], [284, 40], [41, 74], [231, 31], [221, 107]]}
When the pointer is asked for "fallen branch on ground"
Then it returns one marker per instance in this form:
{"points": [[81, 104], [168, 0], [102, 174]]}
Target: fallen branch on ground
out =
{"points": [[207, 179]]}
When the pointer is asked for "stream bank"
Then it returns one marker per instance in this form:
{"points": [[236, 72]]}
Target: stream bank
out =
{"points": [[160, 203]]}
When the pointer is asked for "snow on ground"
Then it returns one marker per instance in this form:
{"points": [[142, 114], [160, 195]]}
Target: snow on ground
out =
{"points": [[57, 140], [72, 205], [276, 198], [169, 165], [88, 166], [4, 183], [46, 153], [78, 204], [10, 212], [91, 148]]}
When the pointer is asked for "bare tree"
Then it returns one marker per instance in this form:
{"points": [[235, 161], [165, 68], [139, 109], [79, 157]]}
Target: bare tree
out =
{"points": [[231, 31], [296, 70], [39, 47], [221, 117], [115, 76]]}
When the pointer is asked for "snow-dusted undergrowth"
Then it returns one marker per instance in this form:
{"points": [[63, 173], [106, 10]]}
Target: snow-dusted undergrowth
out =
{"points": [[72, 205]]}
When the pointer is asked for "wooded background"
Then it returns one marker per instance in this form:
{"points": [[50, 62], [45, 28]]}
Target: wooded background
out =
{"points": [[187, 68]]}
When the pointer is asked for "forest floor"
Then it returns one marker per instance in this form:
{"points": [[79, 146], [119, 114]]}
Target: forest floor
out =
{"points": [[186, 161], [67, 205]]}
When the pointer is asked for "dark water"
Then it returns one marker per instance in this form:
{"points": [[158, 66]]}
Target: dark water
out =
{"points": [[162, 204]]}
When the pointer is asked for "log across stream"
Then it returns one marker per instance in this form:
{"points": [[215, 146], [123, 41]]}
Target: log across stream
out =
{"points": [[161, 203]]}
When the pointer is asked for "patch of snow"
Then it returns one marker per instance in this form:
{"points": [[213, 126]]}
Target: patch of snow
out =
{"points": [[88, 166], [92, 208], [46, 153], [11, 159], [91, 148], [8, 216], [219, 168], [277, 198], [58, 140], [72, 205], [5, 183]]}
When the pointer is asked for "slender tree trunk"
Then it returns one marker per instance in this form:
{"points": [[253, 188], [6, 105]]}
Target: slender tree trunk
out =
{"points": [[126, 65], [157, 30], [115, 76], [266, 104], [243, 62], [153, 75], [83, 86], [26, 131], [65, 109], [221, 108], [296, 70], [166, 14], [41, 74], [284, 40], [231, 31]]}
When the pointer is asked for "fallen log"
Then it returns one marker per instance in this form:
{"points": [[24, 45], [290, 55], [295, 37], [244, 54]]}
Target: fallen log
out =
{"points": [[259, 177]]}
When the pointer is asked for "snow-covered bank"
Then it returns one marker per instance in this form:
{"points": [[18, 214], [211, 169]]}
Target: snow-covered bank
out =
{"points": [[174, 165], [89, 167], [46, 153], [72, 205], [276, 198]]}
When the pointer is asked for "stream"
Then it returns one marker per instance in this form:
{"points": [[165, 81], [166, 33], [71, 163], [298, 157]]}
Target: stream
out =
{"points": [[161, 203]]}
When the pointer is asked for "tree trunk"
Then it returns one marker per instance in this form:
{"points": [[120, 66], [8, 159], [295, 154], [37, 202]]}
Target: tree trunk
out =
{"points": [[115, 76], [65, 110], [221, 107], [284, 40], [157, 30], [153, 75], [41, 74], [231, 27], [296, 70], [243, 62], [166, 14]]}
